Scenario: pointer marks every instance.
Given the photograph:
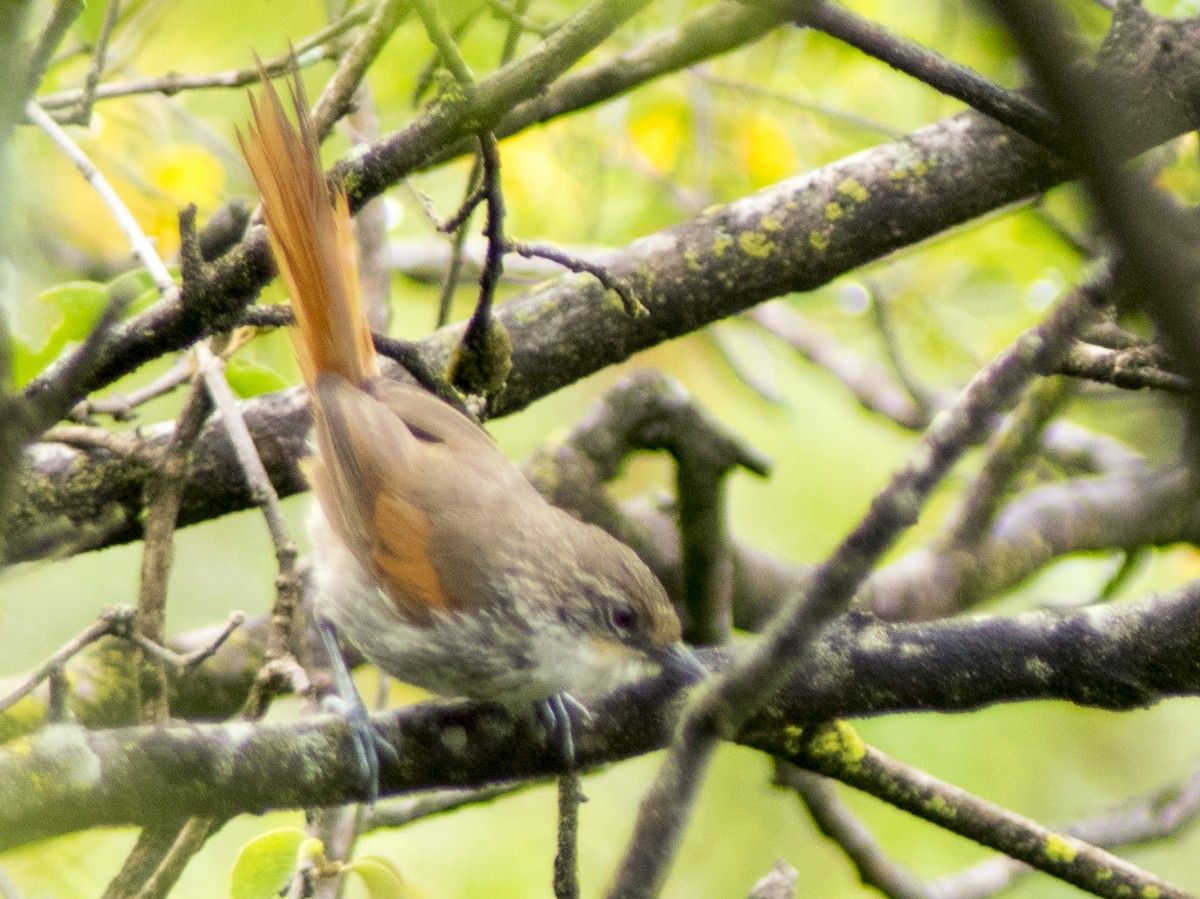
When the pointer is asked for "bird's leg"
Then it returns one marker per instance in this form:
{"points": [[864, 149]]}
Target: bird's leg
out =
{"points": [[369, 744]]}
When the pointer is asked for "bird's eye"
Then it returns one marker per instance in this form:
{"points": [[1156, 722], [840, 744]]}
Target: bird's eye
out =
{"points": [[623, 615]]}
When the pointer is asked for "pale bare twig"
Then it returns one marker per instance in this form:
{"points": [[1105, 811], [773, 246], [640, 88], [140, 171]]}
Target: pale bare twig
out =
{"points": [[353, 65], [83, 112], [115, 619], [121, 406], [174, 83]]}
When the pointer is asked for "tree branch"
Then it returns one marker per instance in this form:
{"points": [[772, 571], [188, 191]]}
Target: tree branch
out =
{"points": [[1114, 657]]}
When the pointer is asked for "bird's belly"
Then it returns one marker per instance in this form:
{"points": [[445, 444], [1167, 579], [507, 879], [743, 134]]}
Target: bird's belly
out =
{"points": [[452, 653]]}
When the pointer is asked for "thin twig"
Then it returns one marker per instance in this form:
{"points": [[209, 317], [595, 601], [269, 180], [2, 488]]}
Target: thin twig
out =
{"points": [[143, 248], [1149, 819], [835, 750], [83, 112], [517, 19], [121, 406], [62, 377], [517, 25], [1007, 107], [838, 822], [881, 309], [401, 812], [287, 584], [483, 356], [163, 497], [447, 47], [566, 859], [212, 369], [159, 857], [752, 367], [190, 840], [756, 91], [1008, 454], [183, 661], [870, 384], [474, 196], [353, 65], [426, 261], [116, 619], [1133, 368], [64, 15], [1132, 562], [461, 230], [121, 443], [633, 306], [457, 225], [173, 83]]}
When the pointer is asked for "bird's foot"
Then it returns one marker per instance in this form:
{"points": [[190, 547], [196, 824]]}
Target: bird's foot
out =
{"points": [[555, 714], [371, 750]]}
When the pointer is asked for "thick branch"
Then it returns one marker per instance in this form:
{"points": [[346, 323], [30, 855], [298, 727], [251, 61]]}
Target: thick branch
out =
{"points": [[793, 236], [1114, 657]]}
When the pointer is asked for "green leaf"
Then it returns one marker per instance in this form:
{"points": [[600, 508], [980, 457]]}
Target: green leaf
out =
{"points": [[27, 360], [266, 864], [249, 378], [382, 879], [80, 303]]}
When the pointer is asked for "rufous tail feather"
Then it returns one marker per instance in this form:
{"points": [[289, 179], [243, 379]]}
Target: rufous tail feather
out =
{"points": [[311, 237]]}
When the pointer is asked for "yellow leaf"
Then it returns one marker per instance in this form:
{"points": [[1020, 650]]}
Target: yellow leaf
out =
{"points": [[179, 174], [766, 150], [657, 137], [153, 180], [539, 191], [187, 173]]}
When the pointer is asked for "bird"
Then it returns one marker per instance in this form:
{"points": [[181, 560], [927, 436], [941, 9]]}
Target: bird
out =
{"points": [[432, 553]]}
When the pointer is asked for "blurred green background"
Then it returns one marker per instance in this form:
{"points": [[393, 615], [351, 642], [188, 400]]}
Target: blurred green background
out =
{"points": [[605, 177]]}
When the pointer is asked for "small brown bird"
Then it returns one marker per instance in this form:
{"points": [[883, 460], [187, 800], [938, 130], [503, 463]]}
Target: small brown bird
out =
{"points": [[434, 555]]}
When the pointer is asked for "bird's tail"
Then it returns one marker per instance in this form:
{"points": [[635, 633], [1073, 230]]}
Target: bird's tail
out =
{"points": [[311, 237]]}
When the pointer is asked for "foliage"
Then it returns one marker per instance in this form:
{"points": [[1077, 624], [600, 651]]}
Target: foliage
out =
{"points": [[910, 317]]}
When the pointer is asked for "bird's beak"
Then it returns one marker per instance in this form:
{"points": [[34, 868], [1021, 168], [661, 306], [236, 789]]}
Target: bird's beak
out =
{"points": [[678, 661]]}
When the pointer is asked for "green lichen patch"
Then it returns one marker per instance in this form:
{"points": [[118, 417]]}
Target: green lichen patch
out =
{"points": [[481, 366], [852, 188], [793, 738], [840, 742], [756, 244], [1059, 849], [939, 808]]}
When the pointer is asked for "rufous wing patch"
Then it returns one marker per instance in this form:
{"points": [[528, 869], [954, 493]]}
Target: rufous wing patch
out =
{"points": [[402, 562]]}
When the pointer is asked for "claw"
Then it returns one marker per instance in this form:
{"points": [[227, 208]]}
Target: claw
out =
{"points": [[370, 748], [555, 714]]}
